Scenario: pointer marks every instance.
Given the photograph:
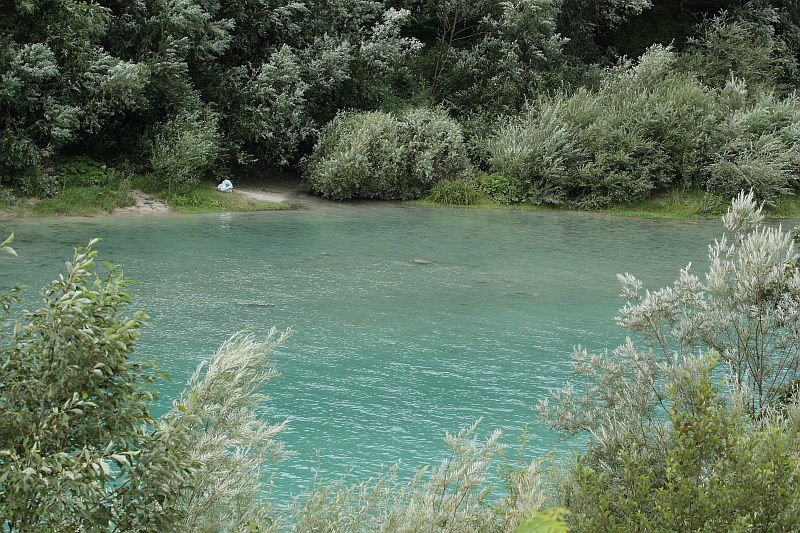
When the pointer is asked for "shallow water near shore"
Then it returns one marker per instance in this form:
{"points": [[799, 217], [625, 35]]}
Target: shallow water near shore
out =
{"points": [[387, 353]]}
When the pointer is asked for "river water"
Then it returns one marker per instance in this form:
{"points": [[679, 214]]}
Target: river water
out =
{"points": [[387, 354]]}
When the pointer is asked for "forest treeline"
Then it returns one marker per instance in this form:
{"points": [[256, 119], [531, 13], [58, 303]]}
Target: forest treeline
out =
{"points": [[563, 102]]}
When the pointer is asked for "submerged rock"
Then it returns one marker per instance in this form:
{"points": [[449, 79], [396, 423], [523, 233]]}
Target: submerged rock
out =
{"points": [[253, 303], [522, 294]]}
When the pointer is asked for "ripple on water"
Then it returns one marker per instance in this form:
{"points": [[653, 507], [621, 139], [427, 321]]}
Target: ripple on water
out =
{"points": [[386, 355]]}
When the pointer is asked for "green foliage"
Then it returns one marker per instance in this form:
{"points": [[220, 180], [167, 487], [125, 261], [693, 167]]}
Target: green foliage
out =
{"points": [[450, 496], [675, 441], [148, 183], [97, 78], [719, 472], [760, 151], [78, 448], [742, 311], [185, 149], [40, 184], [5, 246], [87, 200], [637, 133], [75, 404], [742, 48], [646, 129], [58, 84], [676, 204], [587, 25], [270, 116], [192, 199], [552, 521], [501, 188], [491, 57], [380, 155], [188, 88], [85, 172], [454, 192]]}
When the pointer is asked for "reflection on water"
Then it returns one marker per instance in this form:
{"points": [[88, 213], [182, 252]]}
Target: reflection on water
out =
{"points": [[388, 352]]}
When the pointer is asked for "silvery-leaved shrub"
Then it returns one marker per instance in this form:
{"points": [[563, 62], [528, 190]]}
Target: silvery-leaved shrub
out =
{"points": [[451, 496], [760, 148], [744, 311], [386, 156], [691, 426], [644, 129], [745, 46], [536, 147], [717, 470]]}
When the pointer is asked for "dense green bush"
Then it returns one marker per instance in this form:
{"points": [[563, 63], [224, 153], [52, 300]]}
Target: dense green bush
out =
{"points": [[454, 192], [719, 472], [94, 78], [502, 189], [647, 128], [386, 156], [760, 149], [491, 57], [39, 183], [83, 171], [642, 130], [746, 47], [119, 79], [185, 148]]}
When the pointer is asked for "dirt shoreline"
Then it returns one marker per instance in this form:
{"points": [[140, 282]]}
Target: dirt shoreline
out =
{"points": [[283, 191], [145, 205]]}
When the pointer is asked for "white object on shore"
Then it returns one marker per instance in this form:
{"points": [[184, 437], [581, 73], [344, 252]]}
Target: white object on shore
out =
{"points": [[225, 186]]}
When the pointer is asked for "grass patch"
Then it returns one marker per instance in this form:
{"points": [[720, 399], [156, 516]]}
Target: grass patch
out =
{"points": [[697, 205], [674, 205], [483, 203], [83, 201], [678, 205], [454, 192], [786, 207], [72, 201], [205, 199]]}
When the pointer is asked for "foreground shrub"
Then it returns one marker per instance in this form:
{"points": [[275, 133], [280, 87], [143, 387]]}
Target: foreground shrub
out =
{"points": [[380, 155], [664, 445], [451, 496], [78, 448], [719, 472], [676, 442], [454, 192]]}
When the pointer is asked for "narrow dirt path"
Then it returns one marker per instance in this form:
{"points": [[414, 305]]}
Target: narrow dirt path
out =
{"points": [[264, 195], [145, 205], [277, 188]]}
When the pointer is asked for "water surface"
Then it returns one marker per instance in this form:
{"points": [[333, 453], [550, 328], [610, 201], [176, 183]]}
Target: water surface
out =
{"points": [[387, 355]]}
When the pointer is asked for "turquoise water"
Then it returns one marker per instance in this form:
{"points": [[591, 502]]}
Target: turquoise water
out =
{"points": [[387, 355]]}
